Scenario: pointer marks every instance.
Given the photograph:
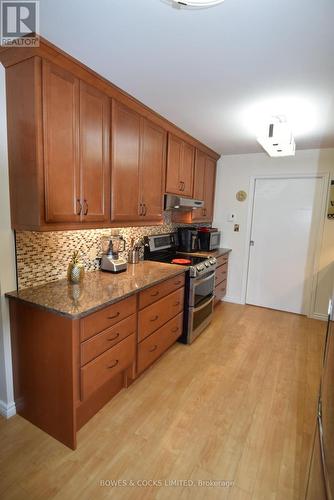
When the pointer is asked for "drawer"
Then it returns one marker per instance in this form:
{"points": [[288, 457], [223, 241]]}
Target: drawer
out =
{"points": [[107, 365], [221, 273], [220, 291], [103, 341], [223, 259], [107, 317], [154, 293], [154, 316], [154, 345]]}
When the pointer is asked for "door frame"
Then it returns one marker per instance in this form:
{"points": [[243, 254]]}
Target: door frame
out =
{"points": [[325, 185]]}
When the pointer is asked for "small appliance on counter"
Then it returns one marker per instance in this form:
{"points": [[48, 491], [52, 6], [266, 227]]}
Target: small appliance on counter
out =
{"points": [[111, 261], [134, 252], [209, 238], [188, 239]]}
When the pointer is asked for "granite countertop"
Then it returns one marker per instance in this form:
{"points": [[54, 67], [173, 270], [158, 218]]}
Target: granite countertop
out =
{"points": [[98, 289]]}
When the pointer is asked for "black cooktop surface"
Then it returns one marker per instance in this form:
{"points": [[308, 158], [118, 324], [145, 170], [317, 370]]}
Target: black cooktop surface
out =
{"points": [[168, 257]]}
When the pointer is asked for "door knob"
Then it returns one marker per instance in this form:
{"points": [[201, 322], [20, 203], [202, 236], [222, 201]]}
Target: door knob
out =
{"points": [[251, 243]]}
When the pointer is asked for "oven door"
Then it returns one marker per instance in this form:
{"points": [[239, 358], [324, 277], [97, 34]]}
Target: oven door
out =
{"points": [[199, 318], [201, 289]]}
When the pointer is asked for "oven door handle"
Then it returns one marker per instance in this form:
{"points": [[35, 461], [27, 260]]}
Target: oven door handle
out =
{"points": [[203, 280], [196, 309]]}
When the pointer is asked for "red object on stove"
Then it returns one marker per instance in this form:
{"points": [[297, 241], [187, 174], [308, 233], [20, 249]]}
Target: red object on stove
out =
{"points": [[183, 262], [205, 229]]}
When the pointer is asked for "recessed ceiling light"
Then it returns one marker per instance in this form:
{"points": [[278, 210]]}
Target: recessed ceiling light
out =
{"points": [[196, 3]]}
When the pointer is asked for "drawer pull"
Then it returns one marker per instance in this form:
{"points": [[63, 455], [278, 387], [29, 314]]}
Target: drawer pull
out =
{"points": [[175, 329], [155, 318], [177, 282], [113, 338], [154, 348], [176, 303], [113, 365], [154, 294], [114, 316]]}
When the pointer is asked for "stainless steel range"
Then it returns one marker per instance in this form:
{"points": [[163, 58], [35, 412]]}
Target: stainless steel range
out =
{"points": [[200, 281]]}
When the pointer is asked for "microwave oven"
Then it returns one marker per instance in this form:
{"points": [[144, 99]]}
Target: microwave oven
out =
{"points": [[209, 239]]}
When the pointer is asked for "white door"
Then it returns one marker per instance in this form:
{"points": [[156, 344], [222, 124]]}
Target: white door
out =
{"points": [[286, 216]]}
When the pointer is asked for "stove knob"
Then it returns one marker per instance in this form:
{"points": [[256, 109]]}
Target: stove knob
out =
{"points": [[207, 264], [198, 268]]}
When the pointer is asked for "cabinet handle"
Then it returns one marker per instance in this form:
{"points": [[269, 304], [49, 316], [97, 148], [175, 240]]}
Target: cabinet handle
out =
{"points": [[145, 209], [79, 207], [154, 348], [176, 303], [180, 185], [113, 365], [114, 338], [154, 294], [155, 318], [114, 316], [140, 209], [86, 207], [177, 282], [173, 330], [183, 186]]}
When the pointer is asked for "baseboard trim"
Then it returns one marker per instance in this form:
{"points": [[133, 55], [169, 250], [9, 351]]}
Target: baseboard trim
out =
{"points": [[234, 300], [7, 410], [319, 316]]}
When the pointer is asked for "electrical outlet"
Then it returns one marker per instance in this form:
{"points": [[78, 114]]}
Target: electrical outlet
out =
{"points": [[236, 228]]}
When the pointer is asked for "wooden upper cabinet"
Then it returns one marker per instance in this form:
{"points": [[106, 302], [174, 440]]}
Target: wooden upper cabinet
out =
{"points": [[204, 186], [138, 152], [61, 144], [83, 154], [187, 169], [199, 175], [125, 164], [94, 154], [209, 188], [153, 165], [180, 166], [76, 127]]}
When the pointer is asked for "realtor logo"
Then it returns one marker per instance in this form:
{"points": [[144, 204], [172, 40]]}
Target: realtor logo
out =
{"points": [[20, 23]]}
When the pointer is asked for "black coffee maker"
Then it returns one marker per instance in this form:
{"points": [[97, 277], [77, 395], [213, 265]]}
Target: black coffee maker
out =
{"points": [[188, 239]]}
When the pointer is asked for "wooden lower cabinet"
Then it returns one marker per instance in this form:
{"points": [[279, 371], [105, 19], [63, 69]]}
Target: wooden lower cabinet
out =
{"points": [[107, 365], [221, 278], [155, 315], [66, 369], [158, 342]]}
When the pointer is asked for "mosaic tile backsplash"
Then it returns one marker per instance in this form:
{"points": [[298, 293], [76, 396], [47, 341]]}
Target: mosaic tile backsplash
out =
{"points": [[44, 256]]}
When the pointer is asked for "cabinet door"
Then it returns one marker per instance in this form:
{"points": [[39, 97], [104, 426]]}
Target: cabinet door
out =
{"points": [[187, 169], [94, 154], [61, 144], [199, 178], [153, 155], [209, 188], [126, 129], [174, 159]]}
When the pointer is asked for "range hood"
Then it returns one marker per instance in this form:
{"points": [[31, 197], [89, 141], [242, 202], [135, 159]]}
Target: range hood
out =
{"points": [[174, 202]]}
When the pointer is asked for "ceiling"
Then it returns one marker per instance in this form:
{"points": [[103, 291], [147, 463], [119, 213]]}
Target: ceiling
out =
{"points": [[219, 72]]}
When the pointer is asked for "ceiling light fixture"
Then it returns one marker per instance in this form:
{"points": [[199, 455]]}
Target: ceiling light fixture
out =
{"points": [[196, 3], [278, 139]]}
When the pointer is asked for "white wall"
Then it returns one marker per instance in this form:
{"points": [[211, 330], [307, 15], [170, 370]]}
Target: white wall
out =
{"points": [[234, 174], [7, 265]]}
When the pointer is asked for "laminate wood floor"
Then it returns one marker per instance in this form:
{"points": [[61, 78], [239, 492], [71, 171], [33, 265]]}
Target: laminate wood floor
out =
{"points": [[238, 405]]}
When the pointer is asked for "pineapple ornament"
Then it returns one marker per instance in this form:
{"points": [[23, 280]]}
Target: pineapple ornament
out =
{"points": [[75, 270]]}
